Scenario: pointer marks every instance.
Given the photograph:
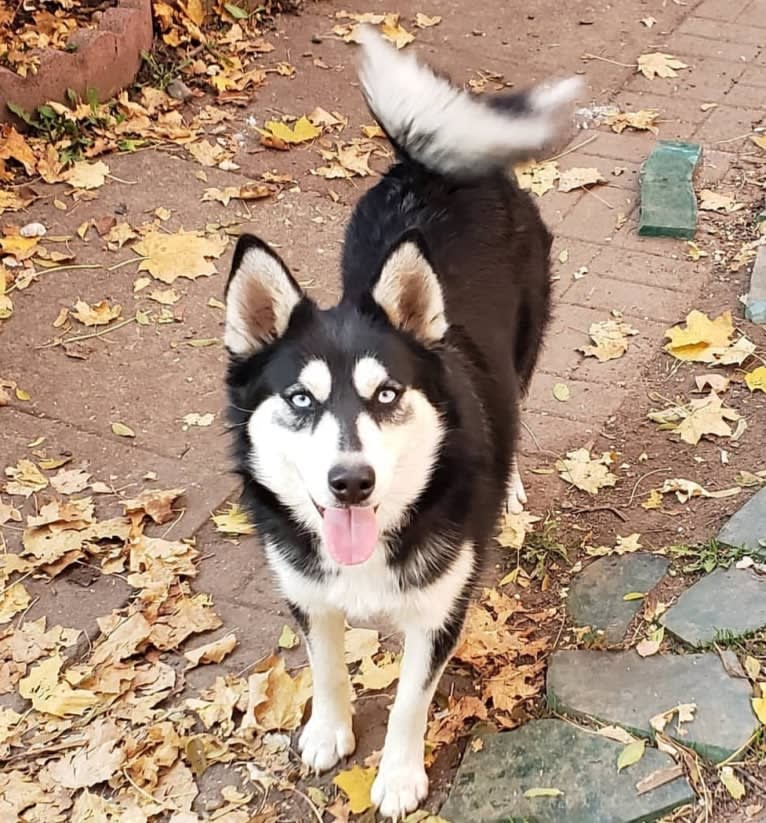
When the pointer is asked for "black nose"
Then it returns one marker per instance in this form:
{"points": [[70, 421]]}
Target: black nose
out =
{"points": [[351, 483]]}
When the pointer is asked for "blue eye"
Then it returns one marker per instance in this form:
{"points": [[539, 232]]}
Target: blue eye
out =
{"points": [[386, 396], [301, 400]]}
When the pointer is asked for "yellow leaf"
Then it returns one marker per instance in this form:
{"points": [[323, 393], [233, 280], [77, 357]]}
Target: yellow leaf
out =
{"points": [[302, 131], [121, 430], [394, 32], [694, 252], [752, 667], [356, 783], [759, 705], [288, 639], [380, 675], [514, 528], [14, 599], [658, 64], [543, 792], [48, 695], [360, 643], [755, 380], [731, 782], [579, 178], [759, 140], [233, 521], [714, 201], [631, 754], [643, 120], [100, 314], [537, 177], [183, 254], [586, 473], [700, 337], [84, 175], [213, 652], [561, 392], [286, 699], [423, 21], [610, 340], [653, 501], [22, 394], [634, 596]]}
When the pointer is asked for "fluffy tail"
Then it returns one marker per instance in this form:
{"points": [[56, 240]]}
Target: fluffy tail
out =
{"points": [[448, 130]]}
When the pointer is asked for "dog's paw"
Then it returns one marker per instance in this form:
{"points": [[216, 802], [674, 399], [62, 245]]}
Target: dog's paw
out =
{"points": [[399, 790], [517, 496], [323, 743]]}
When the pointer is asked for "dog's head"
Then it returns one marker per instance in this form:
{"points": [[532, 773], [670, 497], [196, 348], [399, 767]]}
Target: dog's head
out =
{"points": [[342, 416]]}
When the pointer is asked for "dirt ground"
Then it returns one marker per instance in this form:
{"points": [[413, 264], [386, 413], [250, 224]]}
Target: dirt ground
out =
{"points": [[70, 384]]}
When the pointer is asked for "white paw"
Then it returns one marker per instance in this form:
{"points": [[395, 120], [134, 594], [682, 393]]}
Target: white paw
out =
{"points": [[323, 743], [399, 790], [517, 497]]}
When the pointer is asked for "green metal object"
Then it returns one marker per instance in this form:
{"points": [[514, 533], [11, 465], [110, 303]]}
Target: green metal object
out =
{"points": [[668, 203]]}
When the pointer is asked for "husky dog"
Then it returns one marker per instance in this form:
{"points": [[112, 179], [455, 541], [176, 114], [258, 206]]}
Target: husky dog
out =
{"points": [[376, 438]]}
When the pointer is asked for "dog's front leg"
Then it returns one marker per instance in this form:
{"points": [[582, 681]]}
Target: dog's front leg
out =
{"points": [[402, 782], [328, 736]]}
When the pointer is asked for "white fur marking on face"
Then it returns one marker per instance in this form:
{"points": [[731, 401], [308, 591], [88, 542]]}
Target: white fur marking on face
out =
{"points": [[369, 373], [259, 303], [316, 377]]}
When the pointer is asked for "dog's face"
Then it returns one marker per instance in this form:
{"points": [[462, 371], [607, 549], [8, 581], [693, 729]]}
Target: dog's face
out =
{"points": [[342, 422]]}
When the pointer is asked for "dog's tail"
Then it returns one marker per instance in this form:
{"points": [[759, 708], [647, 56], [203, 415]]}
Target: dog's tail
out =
{"points": [[450, 131]]}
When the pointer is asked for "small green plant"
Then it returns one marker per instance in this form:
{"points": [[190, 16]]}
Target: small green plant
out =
{"points": [[705, 557], [159, 69], [542, 547]]}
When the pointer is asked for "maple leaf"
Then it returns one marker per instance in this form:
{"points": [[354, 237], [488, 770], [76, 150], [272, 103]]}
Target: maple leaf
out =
{"points": [[281, 135], [14, 599], [154, 503], [233, 521], [658, 64], [715, 201], [610, 340], [213, 652], [514, 528], [393, 31], [14, 146], [42, 687], [586, 473], [701, 339], [356, 784], [95, 762], [84, 175], [699, 417], [643, 120], [183, 254], [207, 153], [360, 643], [70, 481], [119, 234], [100, 314], [26, 478], [15, 200], [286, 699], [346, 160], [579, 178], [537, 177], [756, 379], [377, 675]]}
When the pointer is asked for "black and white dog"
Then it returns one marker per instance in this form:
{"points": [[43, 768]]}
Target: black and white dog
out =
{"points": [[376, 438]]}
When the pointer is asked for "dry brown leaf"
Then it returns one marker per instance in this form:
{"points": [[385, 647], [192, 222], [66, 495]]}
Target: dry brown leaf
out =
{"points": [[154, 503], [183, 254], [250, 191], [579, 178], [610, 340], [84, 175], [213, 652], [93, 763], [99, 314], [70, 481], [658, 64], [585, 473], [537, 177], [715, 201], [643, 120]]}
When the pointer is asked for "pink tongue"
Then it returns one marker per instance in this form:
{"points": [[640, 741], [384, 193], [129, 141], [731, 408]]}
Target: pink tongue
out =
{"points": [[350, 534]]}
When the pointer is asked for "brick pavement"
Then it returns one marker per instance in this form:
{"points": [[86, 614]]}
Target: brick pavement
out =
{"points": [[151, 380]]}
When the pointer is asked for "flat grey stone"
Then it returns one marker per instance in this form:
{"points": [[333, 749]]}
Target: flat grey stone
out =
{"points": [[755, 310], [625, 689], [596, 595], [747, 526], [490, 784], [724, 602]]}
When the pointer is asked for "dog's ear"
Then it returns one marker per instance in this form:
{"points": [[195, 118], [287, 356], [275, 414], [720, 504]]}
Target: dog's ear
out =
{"points": [[260, 297], [409, 292]]}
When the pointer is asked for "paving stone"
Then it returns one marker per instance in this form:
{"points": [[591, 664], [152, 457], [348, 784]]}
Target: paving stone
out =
{"points": [[668, 204], [490, 784], [747, 527], [623, 688], [596, 596], [755, 311], [726, 601]]}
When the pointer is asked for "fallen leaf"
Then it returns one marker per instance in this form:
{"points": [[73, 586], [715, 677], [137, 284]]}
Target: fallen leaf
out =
{"points": [[756, 379], [13, 146], [99, 314], [717, 382], [250, 191], [704, 340], [713, 201], [197, 419], [631, 754], [759, 705], [752, 667], [377, 675], [42, 687], [346, 160], [578, 178], [423, 21], [643, 120], [233, 521], [13, 599], [616, 733], [276, 134], [693, 251], [394, 32], [731, 782], [634, 596], [759, 140], [183, 254], [647, 647], [537, 177], [658, 64], [610, 340], [165, 297], [26, 478], [686, 489], [561, 392], [543, 792], [356, 784], [288, 639], [286, 699], [684, 713], [360, 643], [154, 503], [213, 652], [699, 417], [70, 481], [121, 430], [586, 473], [514, 528], [84, 175], [93, 763], [658, 778], [207, 153]]}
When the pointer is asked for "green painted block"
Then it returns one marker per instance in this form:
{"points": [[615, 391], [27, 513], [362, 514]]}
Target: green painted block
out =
{"points": [[668, 203]]}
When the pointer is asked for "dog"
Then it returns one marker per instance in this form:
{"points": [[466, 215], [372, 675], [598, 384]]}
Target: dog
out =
{"points": [[376, 438]]}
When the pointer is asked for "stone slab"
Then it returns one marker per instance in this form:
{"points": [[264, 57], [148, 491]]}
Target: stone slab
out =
{"points": [[746, 527], [755, 310], [625, 689], [490, 784], [596, 595], [668, 203], [725, 602]]}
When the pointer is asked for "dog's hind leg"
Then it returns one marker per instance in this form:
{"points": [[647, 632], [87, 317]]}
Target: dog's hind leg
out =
{"points": [[402, 783], [328, 736], [516, 495]]}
